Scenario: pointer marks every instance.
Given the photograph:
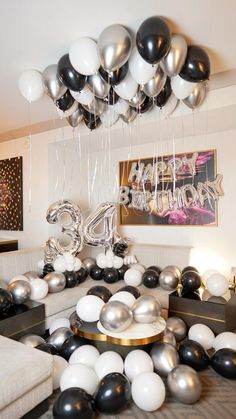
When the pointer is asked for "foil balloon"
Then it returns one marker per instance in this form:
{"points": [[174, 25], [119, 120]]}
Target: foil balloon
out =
{"points": [[197, 96], [32, 340], [20, 291], [116, 316], [53, 85], [155, 84], [73, 230], [146, 309], [98, 86], [138, 99], [129, 116], [75, 118], [105, 214], [184, 384], [114, 47], [58, 337], [173, 269], [56, 281], [165, 357], [173, 62]]}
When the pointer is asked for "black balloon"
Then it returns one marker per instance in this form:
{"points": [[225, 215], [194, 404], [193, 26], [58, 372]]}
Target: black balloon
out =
{"points": [[122, 270], [71, 344], [96, 273], [197, 65], [110, 275], [101, 292], [81, 275], [154, 268], [65, 102], [146, 105], [193, 354], [114, 77], [48, 348], [150, 279], [74, 403], [71, 279], [161, 99], [189, 268], [112, 97], [224, 362], [153, 39], [191, 281], [47, 269], [132, 290], [92, 123], [191, 295], [69, 76], [113, 394], [120, 248], [6, 301]]}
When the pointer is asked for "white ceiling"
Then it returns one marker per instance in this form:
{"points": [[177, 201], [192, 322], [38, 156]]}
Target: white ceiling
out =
{"points": [[36, 33]]}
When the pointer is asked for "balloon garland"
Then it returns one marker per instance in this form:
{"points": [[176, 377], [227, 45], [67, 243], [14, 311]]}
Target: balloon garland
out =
{"points": [[99, 82]]}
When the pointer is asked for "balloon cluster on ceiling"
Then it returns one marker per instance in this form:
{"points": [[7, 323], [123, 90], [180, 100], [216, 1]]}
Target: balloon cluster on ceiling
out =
{"points": [[98, 82]]}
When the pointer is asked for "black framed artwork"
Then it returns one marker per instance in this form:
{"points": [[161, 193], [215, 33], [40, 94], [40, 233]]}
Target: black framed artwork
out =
{"points": [[11, 194]]}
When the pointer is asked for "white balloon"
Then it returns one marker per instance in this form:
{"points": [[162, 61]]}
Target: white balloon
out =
{"points": [[202, 334], [118, 262], [65, 114], [148, 391], [39, 289], [69, 258], [133, 277], [81, 376], [59, 365], [85, 96], [140, 70], [107, 362], [110, 254], [40, 264], [59, 264], [101, 260], [110, 263], [77, 264], [109, 117], [225, 340], [19, 278], [121, 106], [217, 285], [31, 85], [137, 362], [83, 56], [125, 297], [127, 88], [170, 106], [207, 275], [181, 88], [88, 308], [86, 355], [138, 267], [60, 322]]}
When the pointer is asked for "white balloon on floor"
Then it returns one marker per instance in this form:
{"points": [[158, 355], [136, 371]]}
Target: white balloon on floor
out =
{"points": [[202, 334], [59, 365], [107, 362], [137, 362], [86, 355], [225, 340], [81, 376], [148, 391]]}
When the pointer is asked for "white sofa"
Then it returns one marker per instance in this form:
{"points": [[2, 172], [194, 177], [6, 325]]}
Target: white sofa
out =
{"points": [[62, 304]]}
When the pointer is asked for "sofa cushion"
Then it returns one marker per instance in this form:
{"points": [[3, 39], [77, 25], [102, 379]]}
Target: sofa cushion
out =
{"points": [[21, 369]]}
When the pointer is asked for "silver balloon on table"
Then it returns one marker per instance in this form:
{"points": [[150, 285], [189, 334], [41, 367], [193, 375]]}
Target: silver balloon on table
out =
{"points": [[31, 340], [165, 357], [146, 309], [116, 316], [58, 337], [184, 384], [53, 85], [169, 337], [20, 291], [56, 281], [177, 327]]}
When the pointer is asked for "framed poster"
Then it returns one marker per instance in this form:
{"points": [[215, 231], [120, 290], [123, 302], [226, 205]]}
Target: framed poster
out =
{"points": [[11, 194], [170, 190]]}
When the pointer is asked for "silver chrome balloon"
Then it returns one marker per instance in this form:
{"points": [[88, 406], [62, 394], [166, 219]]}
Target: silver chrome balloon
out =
{"points": [[129, 116], [173, 62], [116, 316], [89, 263], [146, 309], [98, 86], [56, 281], [114, 47], [53, 85], [177, 326], [184, 384], [31, 340], [168, 280], [169, 337], [96, 107], [164, 357], [173, 269], [31, 275], [153, 87], [197, 96], [75, 118], [20, 291], [138, 99], [58, 337]]}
